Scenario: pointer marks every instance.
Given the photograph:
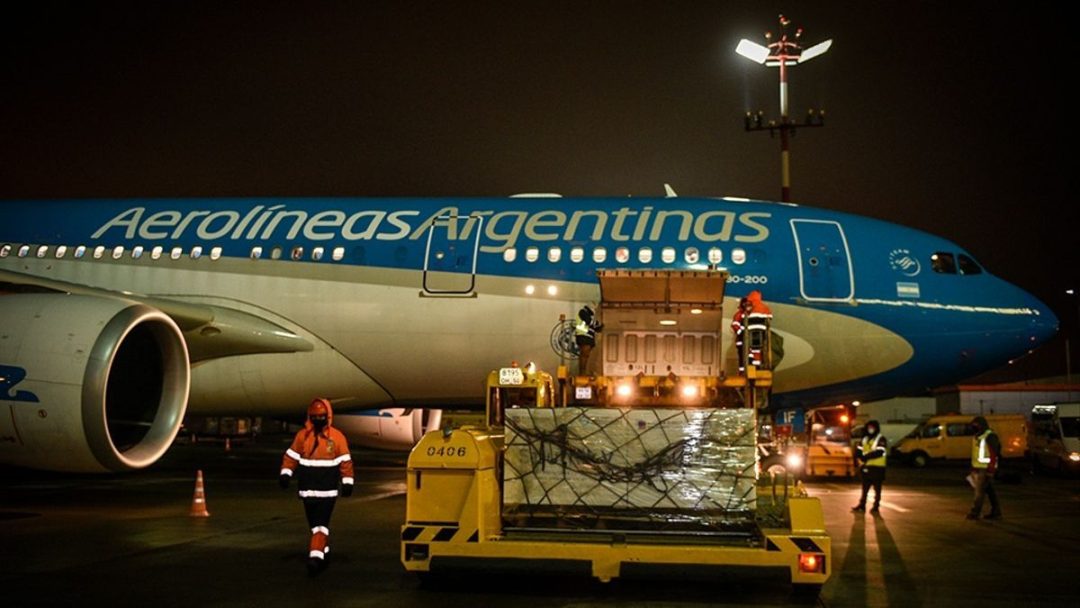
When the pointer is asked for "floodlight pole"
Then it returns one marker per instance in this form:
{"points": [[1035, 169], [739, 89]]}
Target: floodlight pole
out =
{"points": [[782, 53]]}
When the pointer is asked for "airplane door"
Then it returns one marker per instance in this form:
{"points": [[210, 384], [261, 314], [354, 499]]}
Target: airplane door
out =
{"points": [[825, 273], [450, 256]]}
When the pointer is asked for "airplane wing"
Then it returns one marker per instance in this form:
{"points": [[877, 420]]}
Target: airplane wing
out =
{"points": [[209, 331]]}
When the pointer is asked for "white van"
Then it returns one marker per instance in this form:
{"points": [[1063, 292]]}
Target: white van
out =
{"points": [[1054, 441]]}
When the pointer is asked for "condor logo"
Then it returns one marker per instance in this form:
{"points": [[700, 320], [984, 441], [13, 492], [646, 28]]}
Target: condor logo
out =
{"points": [[9, 377]]}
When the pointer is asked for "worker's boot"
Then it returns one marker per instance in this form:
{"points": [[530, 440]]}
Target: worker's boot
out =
{"points": [[875, 510], [859, 508]]}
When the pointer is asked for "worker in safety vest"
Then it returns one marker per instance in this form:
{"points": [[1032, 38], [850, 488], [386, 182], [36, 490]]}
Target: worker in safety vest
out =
{"points": [[319, 457], [750, 324], [985, 453], [585, 329], [872, 451]]}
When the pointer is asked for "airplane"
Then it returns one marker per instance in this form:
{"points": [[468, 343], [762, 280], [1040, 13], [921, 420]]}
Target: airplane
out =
{"points": [[118, 317]]}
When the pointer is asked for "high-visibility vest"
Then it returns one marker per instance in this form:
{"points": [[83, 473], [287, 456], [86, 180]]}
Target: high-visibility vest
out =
{"points": [[583, 329], [980, 452], [869, 445]]}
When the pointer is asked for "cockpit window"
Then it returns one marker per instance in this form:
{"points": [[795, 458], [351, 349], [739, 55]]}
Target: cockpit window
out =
{"points": [[943, 262], [968, 265]]}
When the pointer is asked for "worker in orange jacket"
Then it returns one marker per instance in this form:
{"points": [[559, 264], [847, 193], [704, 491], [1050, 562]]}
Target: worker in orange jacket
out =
{"points": [[319, 457], [753, 315]]}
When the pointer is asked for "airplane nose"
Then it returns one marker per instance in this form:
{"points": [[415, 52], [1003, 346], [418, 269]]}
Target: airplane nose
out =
{"points": [[1043, 322]]}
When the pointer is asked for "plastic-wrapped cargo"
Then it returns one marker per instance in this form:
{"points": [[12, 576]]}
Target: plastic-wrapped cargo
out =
{"points": [[651, 469]]}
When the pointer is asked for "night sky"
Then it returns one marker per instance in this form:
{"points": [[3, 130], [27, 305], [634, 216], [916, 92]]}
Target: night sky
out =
{"points": [[945, 116]]}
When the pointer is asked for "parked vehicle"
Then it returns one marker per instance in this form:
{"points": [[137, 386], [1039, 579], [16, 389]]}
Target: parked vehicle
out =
{"points": [[1054, 440], [948, 437]]}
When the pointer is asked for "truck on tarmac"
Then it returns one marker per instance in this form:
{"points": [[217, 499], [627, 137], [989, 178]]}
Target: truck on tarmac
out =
{"points": [[1054, 441], [813, 443], [948, 437], [649, 466]]}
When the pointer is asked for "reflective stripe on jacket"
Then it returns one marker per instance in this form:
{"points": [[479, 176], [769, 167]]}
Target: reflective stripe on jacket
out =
{"points": [[980, 451]]}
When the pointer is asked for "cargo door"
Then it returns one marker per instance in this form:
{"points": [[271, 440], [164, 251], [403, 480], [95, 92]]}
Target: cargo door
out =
{"points": [[661, 321], [825, 273], [450, 256]]}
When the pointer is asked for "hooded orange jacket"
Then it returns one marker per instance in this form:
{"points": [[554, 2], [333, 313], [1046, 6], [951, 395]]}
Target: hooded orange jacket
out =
{"points": [[320, 460]]}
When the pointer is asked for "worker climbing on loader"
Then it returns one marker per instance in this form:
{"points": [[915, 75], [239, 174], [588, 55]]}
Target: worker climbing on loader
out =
{"points": [[751, 326]]}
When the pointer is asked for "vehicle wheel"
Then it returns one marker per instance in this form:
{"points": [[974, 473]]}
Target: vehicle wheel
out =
{"points": [[919, 459]]}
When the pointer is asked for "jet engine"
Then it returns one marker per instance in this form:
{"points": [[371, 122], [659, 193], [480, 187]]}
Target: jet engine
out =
{"points": [[88, 384], [395, 429]]}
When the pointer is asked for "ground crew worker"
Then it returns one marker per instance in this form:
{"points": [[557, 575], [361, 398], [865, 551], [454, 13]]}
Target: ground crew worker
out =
{"points": [[872, 451], [585, 336], [752, 319], [319, 456], [985, 453], [738, 326]]}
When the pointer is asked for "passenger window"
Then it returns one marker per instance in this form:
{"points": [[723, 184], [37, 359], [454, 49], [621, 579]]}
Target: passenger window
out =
{"points": [[99, 251], [622, 255], [554, 254], [667, 255], [577, 254], [5, 251], [943, 263], [24, 251], [716, 255], [958, 429], [297, 252], [117, 252], [931, 431], [968, 265], [80, 251], [599, 255], [156, 252], [61, 251], [532, 254], [275, 253], [137, 251], [196, 252], [692, 255], [645, 255], [256, 252], [215, 253], [176, 253], [338, 254], [317, 253], [42, 251], [509, 254], [738, 255]]}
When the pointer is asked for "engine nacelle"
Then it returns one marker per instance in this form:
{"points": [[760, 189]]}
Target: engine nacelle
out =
{"points": [[88, 384], [394, 429]]}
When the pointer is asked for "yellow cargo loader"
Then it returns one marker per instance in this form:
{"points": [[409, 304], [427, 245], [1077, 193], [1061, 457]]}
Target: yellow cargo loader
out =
{"points": [[608, 482]]}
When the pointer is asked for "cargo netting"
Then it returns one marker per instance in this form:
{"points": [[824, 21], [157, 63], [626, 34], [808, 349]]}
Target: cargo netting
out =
{"points": [[638, 469]]}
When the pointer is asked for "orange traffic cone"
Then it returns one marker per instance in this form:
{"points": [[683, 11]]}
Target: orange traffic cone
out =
{"points": [[198, 503]]}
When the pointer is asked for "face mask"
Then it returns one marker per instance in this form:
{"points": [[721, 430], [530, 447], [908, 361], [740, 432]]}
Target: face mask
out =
{"points": [[319, 423]]}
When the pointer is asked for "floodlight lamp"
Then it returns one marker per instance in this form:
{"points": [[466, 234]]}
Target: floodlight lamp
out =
{"points": [[814, 51], [752, 51]]}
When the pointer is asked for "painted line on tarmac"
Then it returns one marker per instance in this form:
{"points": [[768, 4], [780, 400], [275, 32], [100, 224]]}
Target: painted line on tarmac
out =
{"points": [[889, 505]]}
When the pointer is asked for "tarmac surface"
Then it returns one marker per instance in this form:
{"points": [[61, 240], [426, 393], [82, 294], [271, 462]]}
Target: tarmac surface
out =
{"points": [[129, 540]]}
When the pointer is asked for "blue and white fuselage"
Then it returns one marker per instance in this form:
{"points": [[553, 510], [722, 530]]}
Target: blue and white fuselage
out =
{"points": [[410, 301]]}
